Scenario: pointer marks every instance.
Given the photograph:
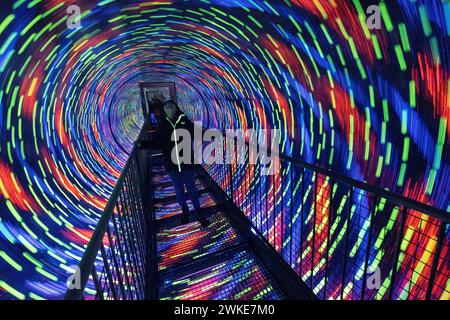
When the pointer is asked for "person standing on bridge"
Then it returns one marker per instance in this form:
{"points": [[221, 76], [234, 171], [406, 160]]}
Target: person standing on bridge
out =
{"points": [[181, 173]]}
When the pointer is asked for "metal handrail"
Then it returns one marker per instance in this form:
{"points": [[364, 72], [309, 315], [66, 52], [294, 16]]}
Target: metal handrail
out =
{"points": [[387, 194], [87, 262], [432, 211], [341, 199]]}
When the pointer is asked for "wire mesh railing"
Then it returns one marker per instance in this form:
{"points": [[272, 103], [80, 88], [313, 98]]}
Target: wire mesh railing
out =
{"points": [[114, 264], [344, 238]]}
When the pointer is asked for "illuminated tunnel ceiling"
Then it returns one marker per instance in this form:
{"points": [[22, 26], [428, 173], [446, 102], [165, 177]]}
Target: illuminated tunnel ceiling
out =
{"points": [[372, 104]]}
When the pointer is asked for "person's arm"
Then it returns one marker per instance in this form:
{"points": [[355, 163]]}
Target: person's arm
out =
{"points": [[196, 145]]}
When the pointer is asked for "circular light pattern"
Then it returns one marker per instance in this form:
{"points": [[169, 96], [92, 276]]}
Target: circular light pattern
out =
{"points": [[372, 104]]}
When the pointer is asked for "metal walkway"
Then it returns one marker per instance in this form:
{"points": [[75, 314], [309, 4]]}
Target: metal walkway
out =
{"points": [[196, 263]]}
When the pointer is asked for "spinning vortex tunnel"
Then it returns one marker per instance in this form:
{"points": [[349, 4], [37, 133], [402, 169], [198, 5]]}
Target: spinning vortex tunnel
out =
{"points": [[373, 105]]}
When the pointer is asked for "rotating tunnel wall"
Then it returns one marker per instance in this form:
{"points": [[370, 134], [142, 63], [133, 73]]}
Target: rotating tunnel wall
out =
{"points": [[371, 104]]}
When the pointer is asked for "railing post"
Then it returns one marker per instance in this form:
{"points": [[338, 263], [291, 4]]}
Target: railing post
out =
{"points": [[247, 185], [258, 196], [282, 207], [347, 236], [266, 220], [369, 240], [313, 249], [302, 200], [253, 197], [230, 178], [434, 265], [327, 257], [272, 198], [397, 252], [291, 209]]}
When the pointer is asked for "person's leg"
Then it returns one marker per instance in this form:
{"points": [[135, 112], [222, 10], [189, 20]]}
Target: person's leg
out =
{"points": [[178, 183], [189, 180]]}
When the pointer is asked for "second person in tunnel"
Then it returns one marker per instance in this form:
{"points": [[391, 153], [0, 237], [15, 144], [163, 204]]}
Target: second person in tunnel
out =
{"points": [[182, 174]]}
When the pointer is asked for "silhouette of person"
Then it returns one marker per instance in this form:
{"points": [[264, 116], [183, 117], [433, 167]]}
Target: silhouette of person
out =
{"points": [[181, 173]]}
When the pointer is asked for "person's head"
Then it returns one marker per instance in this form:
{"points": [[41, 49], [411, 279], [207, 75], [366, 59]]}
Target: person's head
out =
{"points": [[170, 109]]}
